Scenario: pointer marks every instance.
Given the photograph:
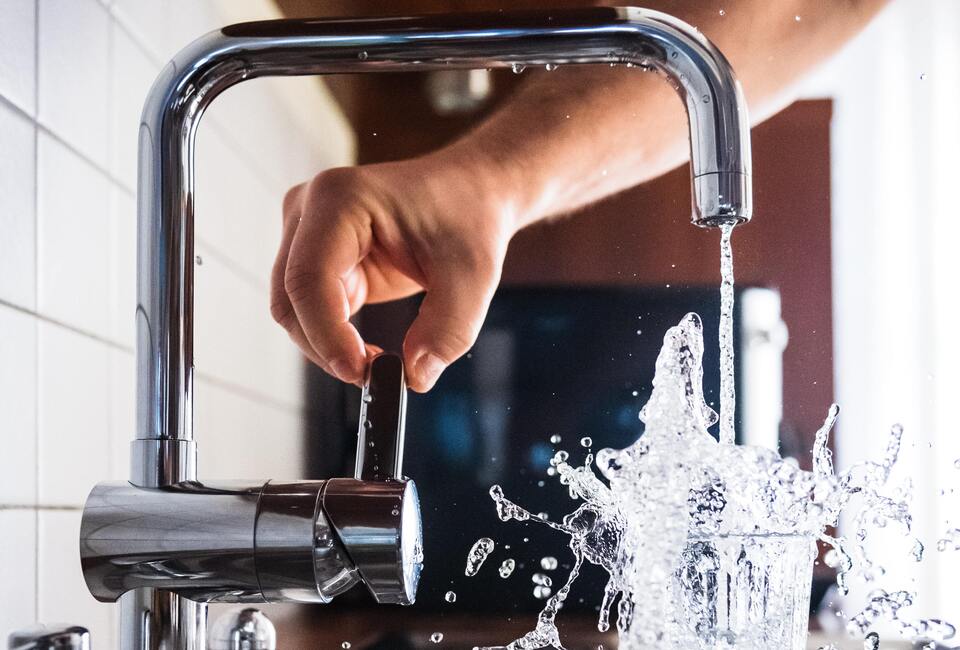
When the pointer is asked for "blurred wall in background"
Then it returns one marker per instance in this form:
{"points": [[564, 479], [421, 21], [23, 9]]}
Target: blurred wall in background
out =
{"points": [[895, 134], [73, 78]]}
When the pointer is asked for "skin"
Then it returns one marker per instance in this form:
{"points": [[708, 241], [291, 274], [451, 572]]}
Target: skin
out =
{"points": [[441, 223]]}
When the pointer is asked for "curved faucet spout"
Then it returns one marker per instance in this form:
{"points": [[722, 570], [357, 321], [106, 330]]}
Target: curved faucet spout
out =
{"points": [[719, 144]]}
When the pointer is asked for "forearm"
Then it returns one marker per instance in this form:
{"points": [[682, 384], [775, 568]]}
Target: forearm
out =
{"points": [[575, 135]]}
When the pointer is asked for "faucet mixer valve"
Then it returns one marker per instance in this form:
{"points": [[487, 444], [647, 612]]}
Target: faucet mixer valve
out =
{"points": [[255, 542]]}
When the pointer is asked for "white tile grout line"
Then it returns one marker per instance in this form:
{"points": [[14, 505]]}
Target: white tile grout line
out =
{"points": [[67, 326], [233, 265], [256, 396], [237, 389], [259, 172], [69, 146], [112, 256], [49, 508], [36, 297]]}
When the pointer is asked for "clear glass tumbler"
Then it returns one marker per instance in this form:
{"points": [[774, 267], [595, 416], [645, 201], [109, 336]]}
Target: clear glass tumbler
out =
{"points": [[729, 592], [743, 592]]}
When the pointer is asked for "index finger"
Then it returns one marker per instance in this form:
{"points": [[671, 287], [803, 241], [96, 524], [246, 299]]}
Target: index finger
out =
{"points": [[323, 255]]}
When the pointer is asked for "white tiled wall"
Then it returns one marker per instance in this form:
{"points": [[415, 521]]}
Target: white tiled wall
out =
{"points": [[73, 76]]}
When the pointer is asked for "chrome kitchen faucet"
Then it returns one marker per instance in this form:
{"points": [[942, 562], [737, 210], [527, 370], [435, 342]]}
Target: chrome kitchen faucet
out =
{"points": [[166, 544]]}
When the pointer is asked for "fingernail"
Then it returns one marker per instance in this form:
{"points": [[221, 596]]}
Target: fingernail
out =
{"points": [[343, 370], [429, 367]]}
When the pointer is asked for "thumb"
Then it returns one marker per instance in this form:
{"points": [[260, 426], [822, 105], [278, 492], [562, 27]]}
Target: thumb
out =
{"points": [[448, 322]]}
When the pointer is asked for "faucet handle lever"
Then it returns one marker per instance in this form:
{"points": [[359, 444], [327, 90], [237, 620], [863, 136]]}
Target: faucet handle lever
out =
{"points": [[382, 420]]}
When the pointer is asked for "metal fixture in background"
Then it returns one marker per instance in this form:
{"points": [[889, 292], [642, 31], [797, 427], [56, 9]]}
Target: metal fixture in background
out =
{"points": [[163, 455], [59, 636], [453, 92], [242, 629]]}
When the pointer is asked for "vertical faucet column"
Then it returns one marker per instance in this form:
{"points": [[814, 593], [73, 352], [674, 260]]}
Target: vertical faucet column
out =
{"points": [[164, 451]]}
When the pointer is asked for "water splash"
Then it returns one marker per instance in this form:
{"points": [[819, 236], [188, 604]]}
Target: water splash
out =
{"points": [[711, 545], [950, 541], [883, 605]]}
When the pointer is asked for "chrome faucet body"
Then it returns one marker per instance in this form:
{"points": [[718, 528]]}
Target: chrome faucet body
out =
{"points": [[163, 455]]}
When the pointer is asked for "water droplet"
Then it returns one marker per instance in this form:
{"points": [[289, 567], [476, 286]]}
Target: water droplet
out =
{"points": [[362, 55], [199, 261], [797, 18], [541, 579], [555, 438], [706, 99], [548, 563], [345, 645], [517, 68], [639, 332], [450, 597], [395, 512], [917, 551], [551, 471], [543, 516], [551, 67], [871, 641], [371, 444], [436, 637], [367, 398], [635, 393], [482, 548], [507, 567], [956, 463], [540, 483], [586, 442], [541, 592], [723, 13]]}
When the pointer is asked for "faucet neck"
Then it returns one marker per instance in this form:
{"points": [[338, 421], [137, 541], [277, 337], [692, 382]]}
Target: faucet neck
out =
{"points": [[720, 148]]}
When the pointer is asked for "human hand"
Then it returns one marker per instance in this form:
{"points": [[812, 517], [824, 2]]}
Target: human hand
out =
{"points": [[375, 233]]}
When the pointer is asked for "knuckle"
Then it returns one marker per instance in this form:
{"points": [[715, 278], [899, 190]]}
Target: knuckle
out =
{"points": [[333, 181], [298, 282], [282, 311], [454, 337]]}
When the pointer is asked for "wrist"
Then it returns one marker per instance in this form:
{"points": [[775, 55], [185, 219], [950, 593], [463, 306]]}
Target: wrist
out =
{"points": [[493, 182]]}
